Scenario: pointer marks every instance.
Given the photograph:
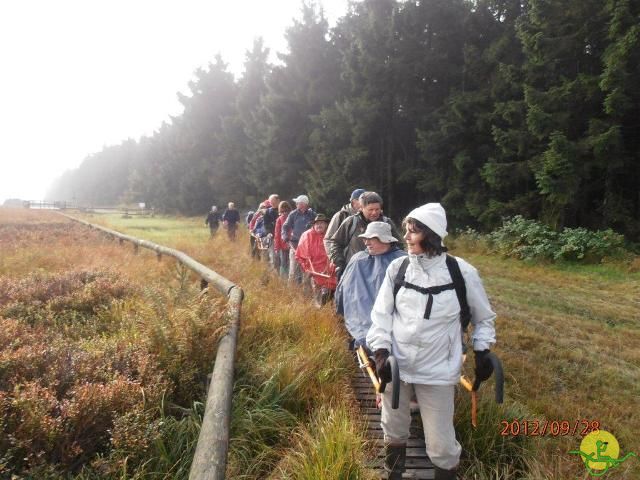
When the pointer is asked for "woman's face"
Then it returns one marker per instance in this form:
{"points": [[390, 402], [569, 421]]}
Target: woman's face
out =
{"points": [[413, 237]]}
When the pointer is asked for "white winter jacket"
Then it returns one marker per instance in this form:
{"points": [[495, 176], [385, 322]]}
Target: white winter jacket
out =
{"points": [[429, 351]]}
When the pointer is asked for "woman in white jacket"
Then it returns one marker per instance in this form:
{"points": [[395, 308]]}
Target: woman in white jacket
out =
{"points": [[423, 331]]}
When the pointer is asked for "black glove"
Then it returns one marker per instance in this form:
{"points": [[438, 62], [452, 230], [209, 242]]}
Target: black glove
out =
{"points": [[339, 272], [484, 368], [383, 369]]}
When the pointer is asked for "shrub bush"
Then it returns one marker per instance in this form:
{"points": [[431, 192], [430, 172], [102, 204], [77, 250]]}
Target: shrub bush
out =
{"points": [[528, 239], [583, 244], [525, 239]]}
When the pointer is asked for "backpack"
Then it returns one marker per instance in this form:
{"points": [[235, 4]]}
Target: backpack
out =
{"points": [[457, 284]]}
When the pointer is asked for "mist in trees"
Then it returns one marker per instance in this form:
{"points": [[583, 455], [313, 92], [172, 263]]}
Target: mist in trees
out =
{"points": [[492, 107]]}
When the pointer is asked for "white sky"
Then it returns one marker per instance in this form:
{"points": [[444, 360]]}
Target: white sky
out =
{"points": [[78, 75]]}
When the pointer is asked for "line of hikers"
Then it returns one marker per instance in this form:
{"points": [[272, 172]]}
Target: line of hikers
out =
{"points": [[414, 304], [309, 248]]}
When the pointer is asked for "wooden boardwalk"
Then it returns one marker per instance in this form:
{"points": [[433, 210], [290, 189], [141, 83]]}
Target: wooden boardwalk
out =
{"points": [[418, 465]]}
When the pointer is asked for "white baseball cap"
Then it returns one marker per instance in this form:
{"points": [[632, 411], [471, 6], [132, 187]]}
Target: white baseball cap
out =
{"points": [[301, 199]]}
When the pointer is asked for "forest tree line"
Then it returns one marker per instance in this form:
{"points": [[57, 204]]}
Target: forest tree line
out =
{"points": [[492, 107]]}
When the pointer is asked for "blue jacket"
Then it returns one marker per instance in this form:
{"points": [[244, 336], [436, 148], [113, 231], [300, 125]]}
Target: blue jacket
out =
{"points": [[296, 223], [358, 288], [259, 228]]}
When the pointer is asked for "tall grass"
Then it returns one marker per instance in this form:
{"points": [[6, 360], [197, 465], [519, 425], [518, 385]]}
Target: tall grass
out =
{"points": [[330, 447]]}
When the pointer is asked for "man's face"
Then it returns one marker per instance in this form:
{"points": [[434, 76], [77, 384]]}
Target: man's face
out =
{"points": [[355, 204], [375, 246], [302, 206], [372, 211], [320, 227], [275, 201]]}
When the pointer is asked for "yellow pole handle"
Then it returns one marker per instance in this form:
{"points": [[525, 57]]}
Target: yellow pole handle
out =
{"points": [[364, 360]]}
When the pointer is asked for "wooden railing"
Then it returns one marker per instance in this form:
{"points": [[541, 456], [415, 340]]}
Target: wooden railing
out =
{"points": [[210, 458]]}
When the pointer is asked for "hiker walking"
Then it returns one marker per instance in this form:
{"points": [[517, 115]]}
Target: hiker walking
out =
{"points": [[341, 215], [296, 223], [230, 220], [270, 218], [213, 221], [418, 317], [345, 242], [281, 248], [314, 262], [258, 232], [362, 278]]}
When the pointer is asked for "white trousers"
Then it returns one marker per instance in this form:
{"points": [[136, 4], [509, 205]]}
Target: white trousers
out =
{"points": [[436, 410]]}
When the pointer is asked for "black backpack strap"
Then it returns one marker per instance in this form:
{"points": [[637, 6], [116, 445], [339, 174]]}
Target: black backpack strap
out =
{"points": [[429, 292], [457, 284], [399, 280], [461, 291]]}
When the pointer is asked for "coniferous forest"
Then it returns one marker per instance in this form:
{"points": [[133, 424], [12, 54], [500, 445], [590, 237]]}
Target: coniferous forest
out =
{"points": [[492, 107]]}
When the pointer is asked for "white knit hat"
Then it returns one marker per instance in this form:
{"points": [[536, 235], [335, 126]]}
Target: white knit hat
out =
{"points": [[433, 216]]}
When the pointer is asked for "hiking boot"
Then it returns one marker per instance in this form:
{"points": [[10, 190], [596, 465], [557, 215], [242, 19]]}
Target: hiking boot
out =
{"points": [[442, 474], [394, 461]]}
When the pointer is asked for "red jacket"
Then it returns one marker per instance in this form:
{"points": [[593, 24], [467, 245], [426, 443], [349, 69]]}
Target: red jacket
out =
{"points": [[278, 243], [311, 252]]}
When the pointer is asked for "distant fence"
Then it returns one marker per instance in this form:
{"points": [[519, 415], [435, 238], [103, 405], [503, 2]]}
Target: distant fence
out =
{"points": [[64, 205], [210, 459], [50, 205]]}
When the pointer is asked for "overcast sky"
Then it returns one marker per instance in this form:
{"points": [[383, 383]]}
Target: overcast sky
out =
{"points": [[79, 75]]}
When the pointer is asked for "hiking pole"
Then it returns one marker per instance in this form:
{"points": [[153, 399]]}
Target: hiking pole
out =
{"points": [[466, 383], [367, 364], [473, 388]]}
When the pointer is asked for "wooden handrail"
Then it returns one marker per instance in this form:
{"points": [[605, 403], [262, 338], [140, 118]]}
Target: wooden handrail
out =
{"points": [[210, 458]]}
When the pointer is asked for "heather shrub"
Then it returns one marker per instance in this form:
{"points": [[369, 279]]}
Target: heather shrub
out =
{"points": [[63, 399], [89, 363], [62, 299]]}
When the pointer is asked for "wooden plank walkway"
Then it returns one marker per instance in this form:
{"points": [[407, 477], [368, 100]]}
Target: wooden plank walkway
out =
{"points": [[418, 465]]}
